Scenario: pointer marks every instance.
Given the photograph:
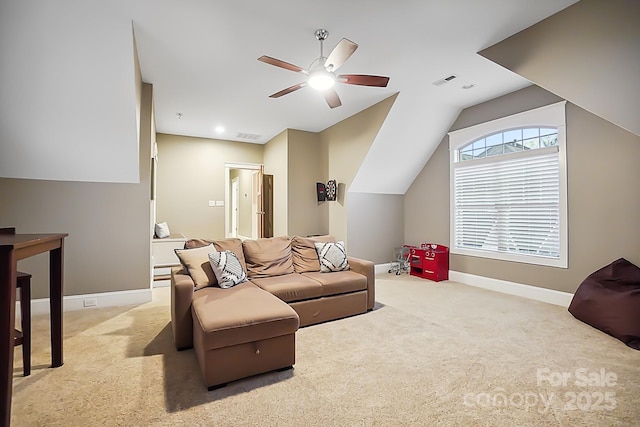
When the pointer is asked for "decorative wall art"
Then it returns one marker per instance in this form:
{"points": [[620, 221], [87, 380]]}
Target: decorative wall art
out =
{"points": [[328, 191], [331, 190], [320, 191]]}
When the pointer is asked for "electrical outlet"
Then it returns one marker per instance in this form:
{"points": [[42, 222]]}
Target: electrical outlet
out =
{"points": [[212, 203], [90, 302]]}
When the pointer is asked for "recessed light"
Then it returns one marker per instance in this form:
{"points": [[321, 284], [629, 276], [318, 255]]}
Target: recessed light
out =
{"points": [[179, 115], [468, 86], [219, 129]]}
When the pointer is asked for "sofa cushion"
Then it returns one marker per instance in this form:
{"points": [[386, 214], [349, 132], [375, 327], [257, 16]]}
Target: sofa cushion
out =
{"points": [[242, 314], [227, 268], [339, 282], [196, 262], [290, 287], [233, 244], [303, 250], [268, 257], [332, 256]]}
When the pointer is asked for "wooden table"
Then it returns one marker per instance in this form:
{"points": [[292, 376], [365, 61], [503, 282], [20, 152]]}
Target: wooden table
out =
{"points": [[14, 247]]}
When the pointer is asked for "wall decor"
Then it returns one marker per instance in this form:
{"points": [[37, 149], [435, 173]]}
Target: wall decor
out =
{"points": [[320, 191], [331, 190]]}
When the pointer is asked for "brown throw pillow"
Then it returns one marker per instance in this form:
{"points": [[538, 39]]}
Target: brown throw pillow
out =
{"points": [[196, 261], [197, 243], [303, 250], [232, 244], [268, 257]]}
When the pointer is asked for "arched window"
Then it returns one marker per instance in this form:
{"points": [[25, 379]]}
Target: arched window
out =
{"points": [[510, 141], [508, 183]]}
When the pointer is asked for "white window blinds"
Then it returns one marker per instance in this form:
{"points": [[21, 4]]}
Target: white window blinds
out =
{"points": [[509, 206], [509, 188]]}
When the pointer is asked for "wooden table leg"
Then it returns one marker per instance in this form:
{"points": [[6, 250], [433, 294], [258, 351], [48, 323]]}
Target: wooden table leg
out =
{"points": [[56, 259], [7, 325]]}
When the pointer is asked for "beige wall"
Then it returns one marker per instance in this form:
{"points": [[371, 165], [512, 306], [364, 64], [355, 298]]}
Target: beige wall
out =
{"points": [[426, 203], [108, 248], [294, 158], [587, 54], [347, 145], [604, 196], [306, 167], [276, 164], [375, 225], [191, 172]]}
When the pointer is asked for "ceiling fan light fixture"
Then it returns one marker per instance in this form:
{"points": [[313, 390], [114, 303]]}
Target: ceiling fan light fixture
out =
{"points": [[321, 74], [321, 79]]}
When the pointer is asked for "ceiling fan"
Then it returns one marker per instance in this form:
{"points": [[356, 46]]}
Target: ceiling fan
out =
{"points": [[321, 73]]}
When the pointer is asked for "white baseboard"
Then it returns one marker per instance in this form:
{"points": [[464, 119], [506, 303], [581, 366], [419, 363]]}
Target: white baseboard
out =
{"points": [[88, 301], [382, 268], [512, 288]]}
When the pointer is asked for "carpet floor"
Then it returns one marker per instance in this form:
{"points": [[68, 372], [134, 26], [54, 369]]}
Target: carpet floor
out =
{"points": [[429, 354]]}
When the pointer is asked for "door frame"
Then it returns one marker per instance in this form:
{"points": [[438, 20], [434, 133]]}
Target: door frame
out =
{"points": [[228, 166]]}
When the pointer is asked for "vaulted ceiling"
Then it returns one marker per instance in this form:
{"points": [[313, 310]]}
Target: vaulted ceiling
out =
{"points": [[201, 57], [203, 63]]}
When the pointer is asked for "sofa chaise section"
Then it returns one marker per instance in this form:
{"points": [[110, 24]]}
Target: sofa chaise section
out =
{"points": [[240, 332]]}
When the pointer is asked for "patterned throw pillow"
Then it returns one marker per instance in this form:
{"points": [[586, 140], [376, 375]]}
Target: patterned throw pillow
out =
{"points": [[332, 256], [227, 268]]}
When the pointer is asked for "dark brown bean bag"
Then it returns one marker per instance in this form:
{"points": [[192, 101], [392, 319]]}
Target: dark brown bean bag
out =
{"points": [[609, 300]]}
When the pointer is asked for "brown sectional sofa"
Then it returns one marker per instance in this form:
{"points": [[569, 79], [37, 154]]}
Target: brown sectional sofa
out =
{"points": [[250, 328]]}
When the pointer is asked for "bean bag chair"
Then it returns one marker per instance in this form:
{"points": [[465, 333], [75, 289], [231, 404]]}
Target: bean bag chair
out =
{"points": [[609, 300]]}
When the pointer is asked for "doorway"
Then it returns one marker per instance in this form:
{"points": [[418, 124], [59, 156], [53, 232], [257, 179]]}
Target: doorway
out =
{"points": [[235, 195], [244, 212]]}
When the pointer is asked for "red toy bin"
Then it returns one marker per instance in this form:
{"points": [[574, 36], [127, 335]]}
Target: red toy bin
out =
{"points": [[429, 261]]}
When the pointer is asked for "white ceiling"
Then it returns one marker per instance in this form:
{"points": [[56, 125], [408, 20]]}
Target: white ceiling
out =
{"points": [[201, 57]]}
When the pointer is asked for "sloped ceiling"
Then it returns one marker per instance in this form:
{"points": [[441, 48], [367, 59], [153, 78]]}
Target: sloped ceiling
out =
{"points": [[67, 92], [68, 68], [588, 53]]}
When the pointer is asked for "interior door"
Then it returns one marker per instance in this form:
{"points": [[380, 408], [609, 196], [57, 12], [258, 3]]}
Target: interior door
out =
{"points": [[267, 189]]}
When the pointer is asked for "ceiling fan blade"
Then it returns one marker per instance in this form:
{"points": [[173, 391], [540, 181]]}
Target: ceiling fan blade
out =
{"points": [[332, 98], [278, 63], [288, 90], [340, 54], [363, 80]]}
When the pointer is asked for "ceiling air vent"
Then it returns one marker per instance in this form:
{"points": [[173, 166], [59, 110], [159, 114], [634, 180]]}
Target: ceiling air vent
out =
{"points": [[248, 136], [445, 80]]}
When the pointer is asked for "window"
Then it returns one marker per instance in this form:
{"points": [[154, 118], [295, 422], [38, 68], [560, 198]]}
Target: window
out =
{"points": [[508, 184], [510, 141]]}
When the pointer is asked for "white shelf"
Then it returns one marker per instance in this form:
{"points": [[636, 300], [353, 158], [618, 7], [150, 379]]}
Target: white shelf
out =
{"points": [[162, 251]]}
